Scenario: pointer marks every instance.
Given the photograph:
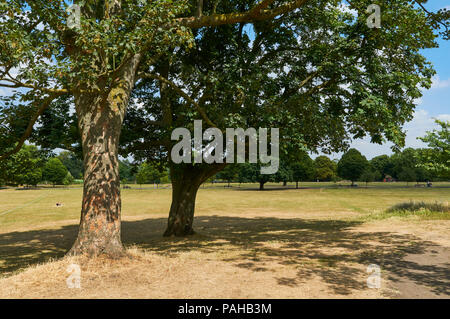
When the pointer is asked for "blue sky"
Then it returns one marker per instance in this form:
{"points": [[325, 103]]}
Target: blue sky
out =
{"points": [[435, 102]]}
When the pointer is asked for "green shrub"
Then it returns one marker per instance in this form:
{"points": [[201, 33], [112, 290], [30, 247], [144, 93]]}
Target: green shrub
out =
{"points": [[415, 207], [68, 180]]}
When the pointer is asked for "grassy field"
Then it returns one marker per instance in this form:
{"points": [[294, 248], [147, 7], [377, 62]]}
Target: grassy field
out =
{"points": [[313, 242]]}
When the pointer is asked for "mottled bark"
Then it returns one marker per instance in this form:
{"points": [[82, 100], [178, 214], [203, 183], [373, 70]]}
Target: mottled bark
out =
{"points": [[181, 216], [186, 180], [100, 118]]}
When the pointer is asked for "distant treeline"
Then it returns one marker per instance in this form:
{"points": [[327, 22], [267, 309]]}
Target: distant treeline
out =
{"points": [[32, 166], [410, 165]]}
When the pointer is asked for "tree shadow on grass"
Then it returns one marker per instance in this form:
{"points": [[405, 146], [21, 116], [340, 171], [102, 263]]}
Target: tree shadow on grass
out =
{"points": [[328, 249]]}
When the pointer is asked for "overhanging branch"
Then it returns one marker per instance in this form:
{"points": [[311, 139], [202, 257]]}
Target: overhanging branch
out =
{"points": [[15, 84], [199, 109], [258, 13], [45, 104]]}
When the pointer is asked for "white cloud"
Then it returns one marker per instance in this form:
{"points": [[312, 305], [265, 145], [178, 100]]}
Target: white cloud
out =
{"points": [[420, 124], [418, 101], [443, 117], [437, 83]]}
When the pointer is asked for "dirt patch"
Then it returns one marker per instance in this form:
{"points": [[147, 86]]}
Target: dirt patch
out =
{"points": [[429, 278], [418, 270]]}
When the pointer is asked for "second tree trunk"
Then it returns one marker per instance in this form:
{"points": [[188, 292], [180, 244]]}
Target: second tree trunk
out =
{"points": [[186, 180]]}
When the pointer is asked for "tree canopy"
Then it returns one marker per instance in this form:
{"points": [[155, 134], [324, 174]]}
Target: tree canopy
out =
{"points": [[54, 171], [352, 165], [23, 168], [438, 157], [303, 169], [325, 168]]}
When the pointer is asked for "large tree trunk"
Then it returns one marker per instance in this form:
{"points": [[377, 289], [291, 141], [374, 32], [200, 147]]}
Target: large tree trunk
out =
{"points": [[99, 231], [186, 180], [261, 186], [100, 118]]}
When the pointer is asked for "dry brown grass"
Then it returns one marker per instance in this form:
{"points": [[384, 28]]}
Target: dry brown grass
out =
{"points": [[307, 243], [151, 275]]}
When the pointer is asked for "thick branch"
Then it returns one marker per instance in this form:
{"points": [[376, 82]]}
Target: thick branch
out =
{"points": [[17, 84], [260, 6], [183, 94], [319, 87], [252, 15], [432, 14]]}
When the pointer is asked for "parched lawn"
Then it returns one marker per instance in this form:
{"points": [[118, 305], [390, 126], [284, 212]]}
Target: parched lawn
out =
{"points": [[313, 242]]}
